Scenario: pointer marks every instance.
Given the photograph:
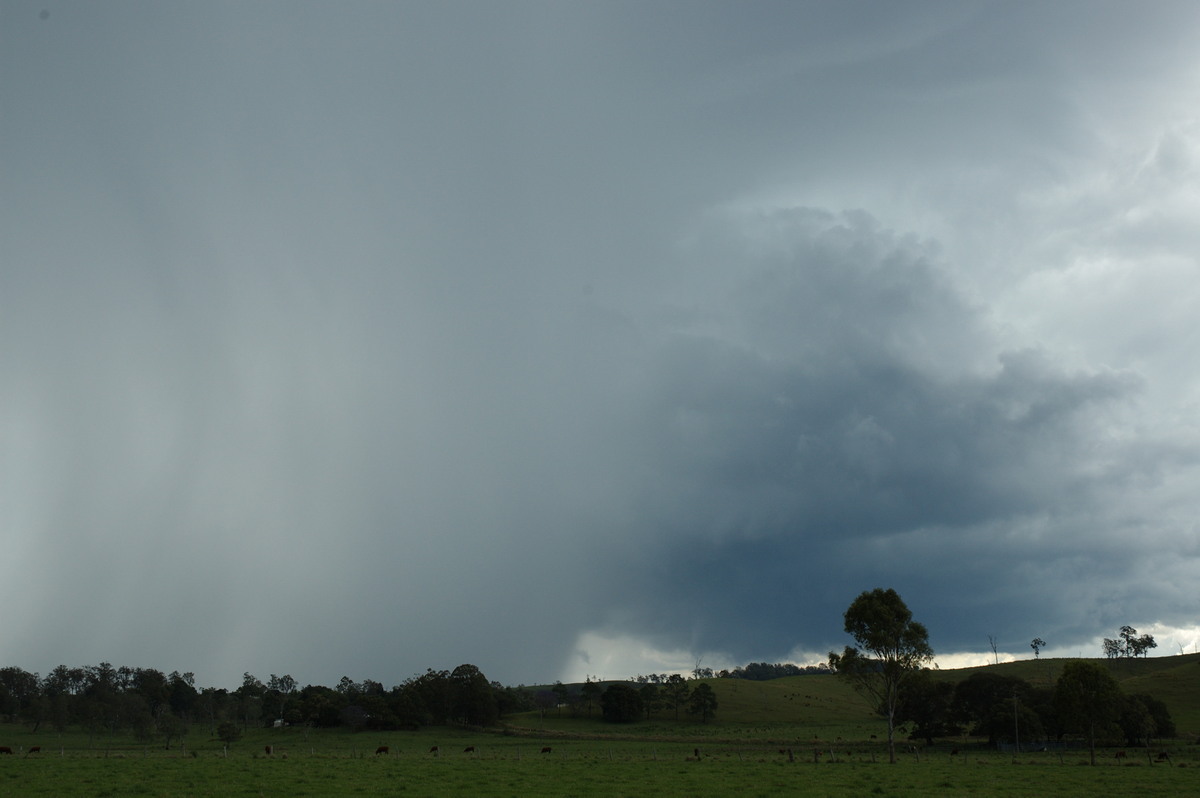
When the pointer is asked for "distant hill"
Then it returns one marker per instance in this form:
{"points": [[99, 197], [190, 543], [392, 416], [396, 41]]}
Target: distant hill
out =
{"points": [[824, 707], [1043, 672]]}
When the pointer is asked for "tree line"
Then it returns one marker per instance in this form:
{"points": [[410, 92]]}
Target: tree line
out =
{"points": [[1128, 644], [762, 671], [754, 671], [154, 705], [1085, 700], [889, 666], [627, 702]]}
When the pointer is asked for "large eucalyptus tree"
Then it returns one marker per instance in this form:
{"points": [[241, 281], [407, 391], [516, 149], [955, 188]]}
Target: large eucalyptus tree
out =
{"points": [[891, 648]]}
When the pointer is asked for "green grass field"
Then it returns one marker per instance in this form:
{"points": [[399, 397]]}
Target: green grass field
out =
{"points": [[742, 752], [513, 767]]}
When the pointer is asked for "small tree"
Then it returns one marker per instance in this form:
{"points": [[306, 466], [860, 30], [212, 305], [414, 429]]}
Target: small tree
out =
{"points": [[171, 727], [927, 705], [250, 699], [280, 689], [894, 647], [545, 700], [651, 700], [1136, 722], [1144, 717], [562, 695], [703, 702], [1136, 646], [1088, 700], [590, 693], [675, 692], [472, 700], [229, 733], [1037, 644], [1128, 644], [984, 700], [621, 703]]}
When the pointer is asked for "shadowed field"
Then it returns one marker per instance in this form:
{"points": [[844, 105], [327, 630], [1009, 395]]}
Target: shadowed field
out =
{"points": [[803, 735], [584, 768]]}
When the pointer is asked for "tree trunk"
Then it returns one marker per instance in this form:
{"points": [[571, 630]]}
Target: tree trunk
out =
{"points": [[892, 737]]}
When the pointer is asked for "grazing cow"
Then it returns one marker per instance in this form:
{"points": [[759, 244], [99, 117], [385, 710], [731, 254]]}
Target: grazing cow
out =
{"points": [[268, 749], [434, 750], [1119, 755], [33, 750], [545, 749], [1163, 756], [4, 749], [470, 749], [383, 749]]}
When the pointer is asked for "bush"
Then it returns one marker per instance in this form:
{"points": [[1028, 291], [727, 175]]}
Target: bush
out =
{"points": [[620, 703], [229, 733]]}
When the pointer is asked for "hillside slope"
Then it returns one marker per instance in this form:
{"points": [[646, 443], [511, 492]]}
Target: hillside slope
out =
{"points": [[824, 707]]}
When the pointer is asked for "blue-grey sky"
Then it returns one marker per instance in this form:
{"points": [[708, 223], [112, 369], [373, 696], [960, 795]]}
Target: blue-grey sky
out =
{"points": [[592, 338]]}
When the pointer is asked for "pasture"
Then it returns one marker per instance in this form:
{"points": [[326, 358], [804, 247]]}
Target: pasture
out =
{"points": [[743, 752], [339, 765]]}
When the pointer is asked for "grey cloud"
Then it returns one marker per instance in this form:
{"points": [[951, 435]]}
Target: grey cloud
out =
{"points": [[357, 340], [797, 458]]}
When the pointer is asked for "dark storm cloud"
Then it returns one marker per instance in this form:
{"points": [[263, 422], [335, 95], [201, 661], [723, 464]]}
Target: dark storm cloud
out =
{"points": [[807, 444]]}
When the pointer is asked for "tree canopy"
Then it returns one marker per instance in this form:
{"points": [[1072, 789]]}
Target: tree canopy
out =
{"points": [[891, 648], [1128, 644], [621, 703], [703, 702], [1088, 700]]}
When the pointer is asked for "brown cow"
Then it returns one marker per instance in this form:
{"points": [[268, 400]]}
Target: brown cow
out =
{"points": [[4, 749], [268, 749], [546, 749], [33, 750], [1119, 755], [470, 749], [434, 750], [383, 749]]}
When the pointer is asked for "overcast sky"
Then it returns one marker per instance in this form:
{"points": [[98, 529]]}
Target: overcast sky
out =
{"points": [[569, 338]]}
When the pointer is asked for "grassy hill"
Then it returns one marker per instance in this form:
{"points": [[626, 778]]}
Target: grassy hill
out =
{"points": [[783, 711], [799, 709], [1043, 672], [1177, 684], [1174, 680]]}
